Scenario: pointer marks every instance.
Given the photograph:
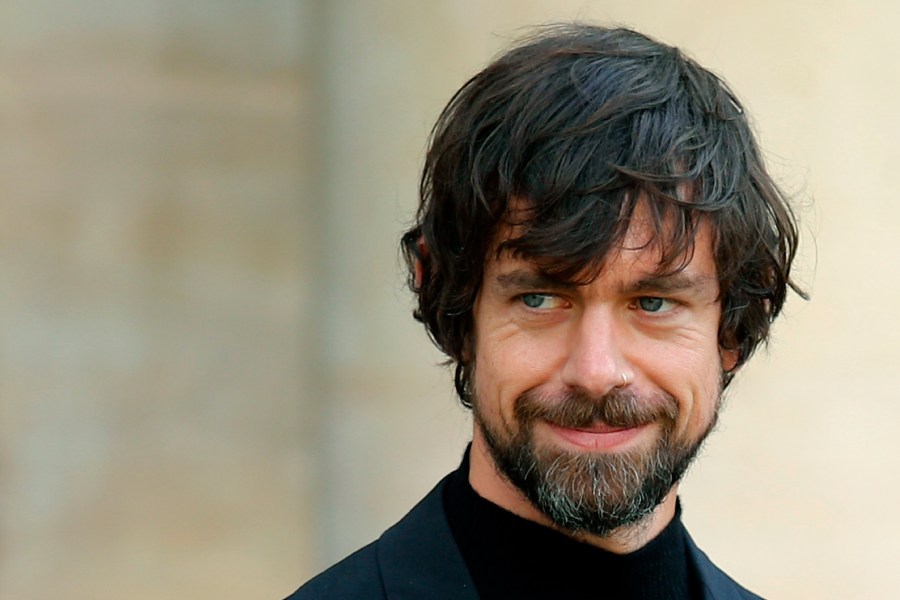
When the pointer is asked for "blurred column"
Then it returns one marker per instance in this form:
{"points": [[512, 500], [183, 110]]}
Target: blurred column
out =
{"points": [[153, 173], [392, 425]]}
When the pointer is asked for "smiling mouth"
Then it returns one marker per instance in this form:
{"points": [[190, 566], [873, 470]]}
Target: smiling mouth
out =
{"points": [[598, 436]]}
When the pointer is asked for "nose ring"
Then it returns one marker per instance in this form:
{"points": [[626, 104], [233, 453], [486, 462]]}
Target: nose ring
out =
{"points": [[624, 380]]}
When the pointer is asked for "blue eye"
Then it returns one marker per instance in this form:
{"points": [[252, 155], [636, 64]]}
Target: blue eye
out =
{"points": [[651, 304], [534, 300], [541, 301]]}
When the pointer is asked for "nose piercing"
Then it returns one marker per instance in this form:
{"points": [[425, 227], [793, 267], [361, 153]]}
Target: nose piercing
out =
{"points": [[624, 380]]}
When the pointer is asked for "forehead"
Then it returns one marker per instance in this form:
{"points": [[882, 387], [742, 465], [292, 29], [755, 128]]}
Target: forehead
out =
{"points": [[644, 242]]}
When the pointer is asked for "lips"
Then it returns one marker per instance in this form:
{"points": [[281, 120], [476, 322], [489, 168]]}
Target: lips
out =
{"points": [[598, 437], [601, 427]]}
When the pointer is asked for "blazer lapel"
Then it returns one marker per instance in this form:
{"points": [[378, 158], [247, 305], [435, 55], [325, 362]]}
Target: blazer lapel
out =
{"points": [[419, 559], [716, 584]]}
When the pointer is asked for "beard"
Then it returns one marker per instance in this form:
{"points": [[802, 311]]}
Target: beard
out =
{"points": [[592, 492]]}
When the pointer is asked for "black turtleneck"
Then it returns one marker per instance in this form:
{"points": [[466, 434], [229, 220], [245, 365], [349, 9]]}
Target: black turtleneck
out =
{"points": [[511, 557]]}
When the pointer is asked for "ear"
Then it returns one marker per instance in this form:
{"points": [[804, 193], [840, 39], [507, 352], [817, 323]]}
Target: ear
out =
{"points": [[421, 257], [729, 359]]}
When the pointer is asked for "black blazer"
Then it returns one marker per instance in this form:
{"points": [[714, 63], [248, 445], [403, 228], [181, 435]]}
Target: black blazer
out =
{"points": [[417, 559]]}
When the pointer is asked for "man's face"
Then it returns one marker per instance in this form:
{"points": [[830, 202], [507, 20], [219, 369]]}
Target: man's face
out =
{"points": [[592, 400]]}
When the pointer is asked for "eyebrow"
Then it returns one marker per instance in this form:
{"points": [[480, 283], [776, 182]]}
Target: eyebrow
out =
{"points": [[526, 279], [666, 283]]}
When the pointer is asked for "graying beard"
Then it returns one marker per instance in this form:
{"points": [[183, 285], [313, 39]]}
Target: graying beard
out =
{"points": [[595, 494], [615, 494], [592, 493]]}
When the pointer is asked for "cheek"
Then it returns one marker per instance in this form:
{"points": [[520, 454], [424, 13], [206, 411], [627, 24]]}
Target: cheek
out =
{"points": [[509, 363], [691, 372], [704, 390]]}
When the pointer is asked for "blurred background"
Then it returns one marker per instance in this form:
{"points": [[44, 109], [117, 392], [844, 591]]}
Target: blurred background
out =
{"points": [[210, 384]]}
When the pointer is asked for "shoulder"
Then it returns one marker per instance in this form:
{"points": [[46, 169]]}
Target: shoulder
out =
{"points": [[357, 576], [415, 559], [717, 585]]}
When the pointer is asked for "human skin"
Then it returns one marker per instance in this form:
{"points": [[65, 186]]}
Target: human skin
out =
{"points": [[659, 329]]}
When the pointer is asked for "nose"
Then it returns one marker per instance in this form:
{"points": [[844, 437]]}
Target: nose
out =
{"points": [[595, 362]]}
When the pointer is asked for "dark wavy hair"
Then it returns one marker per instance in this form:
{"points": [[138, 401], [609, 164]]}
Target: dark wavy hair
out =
{"points": [[582, 123]]}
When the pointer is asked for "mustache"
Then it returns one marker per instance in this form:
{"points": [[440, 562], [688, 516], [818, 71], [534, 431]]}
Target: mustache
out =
{"points": [[576, 409]]}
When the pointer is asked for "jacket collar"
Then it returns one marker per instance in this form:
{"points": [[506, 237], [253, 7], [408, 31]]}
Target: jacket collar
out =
{"points": [[418, 556], [419, 560], [716, 584]]}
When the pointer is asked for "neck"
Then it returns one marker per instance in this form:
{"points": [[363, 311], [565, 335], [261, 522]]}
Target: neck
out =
{"points": [[487, 480]]}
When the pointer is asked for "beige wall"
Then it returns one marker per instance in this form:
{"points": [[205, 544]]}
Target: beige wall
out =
{"points": [[210, 385], [150, 353]]}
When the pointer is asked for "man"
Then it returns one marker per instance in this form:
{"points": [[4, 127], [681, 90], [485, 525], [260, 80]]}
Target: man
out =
{"points": [[598, 249]]}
